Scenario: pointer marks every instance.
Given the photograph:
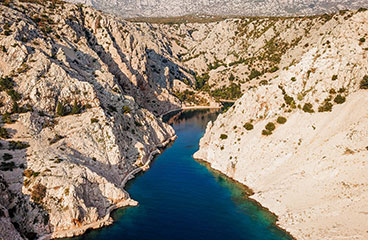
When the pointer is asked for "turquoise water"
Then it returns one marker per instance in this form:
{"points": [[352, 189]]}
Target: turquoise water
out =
{"points": [[181, 199]]}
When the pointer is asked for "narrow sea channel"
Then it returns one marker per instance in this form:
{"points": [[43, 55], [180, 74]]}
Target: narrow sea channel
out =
{"points": [[182, 199]]}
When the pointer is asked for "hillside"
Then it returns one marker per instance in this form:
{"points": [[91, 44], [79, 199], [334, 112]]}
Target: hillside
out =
{"points": [[165, 8], [82, 93], [299, 141]]}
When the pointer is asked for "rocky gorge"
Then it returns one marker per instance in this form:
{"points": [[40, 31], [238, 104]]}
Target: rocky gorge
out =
{"points": [[82, 94]]}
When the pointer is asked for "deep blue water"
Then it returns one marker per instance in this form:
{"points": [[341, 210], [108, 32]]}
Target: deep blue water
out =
{"points": [[181, 199]]}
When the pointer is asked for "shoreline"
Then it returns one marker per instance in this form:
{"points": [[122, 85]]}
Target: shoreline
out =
{"points": [[249, 192], [107, 220]]}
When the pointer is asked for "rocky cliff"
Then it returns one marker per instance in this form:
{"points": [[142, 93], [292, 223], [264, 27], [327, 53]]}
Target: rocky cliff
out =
{"points": [[80, 97], [300, 140]]}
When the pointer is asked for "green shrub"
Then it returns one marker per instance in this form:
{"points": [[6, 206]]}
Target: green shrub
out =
{"points": [[94, 120], [7, 156], [38, 193], [339, 99], [326, 107], [281, 120], [362, 40], [248, 126], [254, 73], [126, 109], [266, 132], [7, 166], [14, 95], [332, 91], [364, 82], [334, 77], [17, 145], [4, 133], [288, 100], [76, 108], [223, 136], [60, 110], [270, 126], [293, 79], [308, 107]]}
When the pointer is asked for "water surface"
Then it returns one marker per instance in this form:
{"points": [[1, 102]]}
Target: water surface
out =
{"points": [[181, 199]]}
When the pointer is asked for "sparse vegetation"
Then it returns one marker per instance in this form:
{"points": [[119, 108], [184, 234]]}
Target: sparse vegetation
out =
{"points": [[270, 126], [4, 133], [364, 82], [17, 145], [223, 136], [281, 120], [308, 107], [339, 99], [38, 193], [248, 126], [126, 109], [7, 156]]}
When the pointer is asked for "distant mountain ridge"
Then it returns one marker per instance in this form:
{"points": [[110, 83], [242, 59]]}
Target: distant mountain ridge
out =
{"points": [[172, 8]]}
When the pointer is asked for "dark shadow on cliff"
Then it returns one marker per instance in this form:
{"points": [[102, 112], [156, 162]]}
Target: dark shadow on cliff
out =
{"points": [[13, 163]]}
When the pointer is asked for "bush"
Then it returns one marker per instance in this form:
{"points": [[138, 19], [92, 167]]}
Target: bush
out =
{"points": [[7, 166], [126, 109], [94, 120], [270, 126], [76, 108], [339, 99], [3, 133], [362, 40], [248, 126], [14, 95], [254, 73], [364, 82], [326, 107], [293, 79], [60, 111], [281, 120], [288, 100], [7, 156], [38, 193], [332, 91], [28, 173], [266, 132], [223, 136], [17, 145], [334, 77], [308, 107]]}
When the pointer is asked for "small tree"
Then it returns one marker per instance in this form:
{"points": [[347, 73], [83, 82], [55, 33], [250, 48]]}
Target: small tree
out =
{"points": [[38, 193], [281, 120], [339, 99], [364, 82], [270, 126], [76, 109], [223, 136], [248, 126], [308, 107], [60, 111]]}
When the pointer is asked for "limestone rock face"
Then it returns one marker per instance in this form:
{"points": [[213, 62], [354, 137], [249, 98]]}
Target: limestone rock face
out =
{"points": [[81, 109], [310, 170]]}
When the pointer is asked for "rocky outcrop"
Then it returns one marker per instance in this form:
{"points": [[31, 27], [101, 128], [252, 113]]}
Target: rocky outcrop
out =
{"points": [[300, 141], [81, 94]]}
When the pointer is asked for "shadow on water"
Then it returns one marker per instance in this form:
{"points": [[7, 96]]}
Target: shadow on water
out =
{"points": [[181, 198]]}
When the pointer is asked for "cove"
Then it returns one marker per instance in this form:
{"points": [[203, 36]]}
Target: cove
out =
{"points": [[181, 198]]}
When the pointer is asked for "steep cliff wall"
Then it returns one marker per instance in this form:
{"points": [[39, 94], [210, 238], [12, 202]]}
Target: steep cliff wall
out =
{"points": [[300, 142]]}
